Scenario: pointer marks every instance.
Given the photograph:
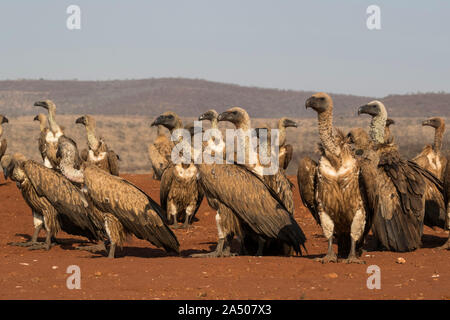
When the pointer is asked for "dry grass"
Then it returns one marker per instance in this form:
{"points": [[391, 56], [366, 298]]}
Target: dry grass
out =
{"points": [[129, 136]]}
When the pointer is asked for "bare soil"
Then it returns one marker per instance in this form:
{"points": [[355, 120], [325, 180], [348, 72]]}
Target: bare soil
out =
{"points": [[142, 271]]}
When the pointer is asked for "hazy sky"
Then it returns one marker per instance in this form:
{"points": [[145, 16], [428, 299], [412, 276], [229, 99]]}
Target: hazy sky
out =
{"points": [[301, 45]]}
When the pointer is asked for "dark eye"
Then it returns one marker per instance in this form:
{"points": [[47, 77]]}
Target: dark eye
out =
{"points": [[322, 98], [170, 117], [359, 152], [235, 112]]}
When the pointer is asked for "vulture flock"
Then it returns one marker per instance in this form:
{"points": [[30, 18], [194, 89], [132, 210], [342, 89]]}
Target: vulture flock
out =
{"points": [[360, 184]]}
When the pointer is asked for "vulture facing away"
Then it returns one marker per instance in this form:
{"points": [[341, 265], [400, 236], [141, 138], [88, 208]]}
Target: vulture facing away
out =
{"points": [[3, 143], [98, 154], [132, 207], [399, 187], [331, 189], [180, 194], [159, 153]]}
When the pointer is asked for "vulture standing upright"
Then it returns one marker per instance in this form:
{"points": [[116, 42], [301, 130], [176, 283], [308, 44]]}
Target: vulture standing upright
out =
{"points": [[332, 190], [431, 157], [3, 143], [43, 128], [399, 187], [159, 153], [55, 202], [98, 154], [49, 145], [180, 194], [132, 207]]}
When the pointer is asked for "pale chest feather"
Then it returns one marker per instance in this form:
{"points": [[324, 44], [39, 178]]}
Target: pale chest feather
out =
{"points": [[185, 173], [343, 172], [53, 138], [99, 157], [433, 160]]}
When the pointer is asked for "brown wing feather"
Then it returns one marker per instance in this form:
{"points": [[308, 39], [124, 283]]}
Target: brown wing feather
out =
{"points": [[3, 146], [158, 160], [113, 162], [72, 206], [307, 182], [137, 212], [252, 202], [288, 153]]}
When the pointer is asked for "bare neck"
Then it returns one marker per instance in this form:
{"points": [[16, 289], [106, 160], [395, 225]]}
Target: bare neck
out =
{"points": [[92, 139], [438, 136], [52, 121], [325, 120]]}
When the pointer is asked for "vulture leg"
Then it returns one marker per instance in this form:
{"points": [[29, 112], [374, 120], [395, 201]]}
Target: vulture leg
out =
{"points": [[331, 256], [189, 211], [356, 233], [172, 212], [223, 249], [112, 250], [352, 258], [45, 245]]}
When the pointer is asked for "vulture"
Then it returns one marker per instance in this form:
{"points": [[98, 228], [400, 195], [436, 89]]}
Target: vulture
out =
{"points": [[431, 157], [447, 201], [331, 189], [261, 215], [180, 194], [388, 138], [99, 154], [159, 153], [215, 146], [42, 118], [56, 204], [48, 146], [398, 189], [285, 150], [3, 143], [133, 208]]}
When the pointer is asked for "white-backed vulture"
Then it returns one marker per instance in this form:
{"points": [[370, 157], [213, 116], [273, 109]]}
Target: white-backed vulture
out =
{"points": [[400, 187], [332, 190], [98, 154], [286, 150], [159, 153], [132, 207], [43, 121], [446, 177], [53, 133], [56, 203], [431, 157], [180, 194], [246, 229], [3, 143]]}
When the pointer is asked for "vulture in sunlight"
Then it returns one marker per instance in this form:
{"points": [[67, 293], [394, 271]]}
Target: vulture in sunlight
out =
{"points": [[331, 189], [180, 194], [56, 204], [159, 153], [43, 128], [132, 207], [48, 146], [3, 143], [447, 201], [399, 187], [98, 154], [230, 219], [431, 157]]}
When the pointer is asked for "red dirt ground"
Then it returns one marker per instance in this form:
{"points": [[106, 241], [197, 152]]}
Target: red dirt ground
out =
{"points": [[144, 272]]}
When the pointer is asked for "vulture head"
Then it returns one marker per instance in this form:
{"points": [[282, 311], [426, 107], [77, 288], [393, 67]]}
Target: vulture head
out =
{"points": [[46, 104], [86, 121], [374, 108], [42, 118], [434, 122], [210, 115], [168, 119], [320, 102], [389, 122], [10, 164], [360, 140], [235, 115], [286, 123], [3, 119]]}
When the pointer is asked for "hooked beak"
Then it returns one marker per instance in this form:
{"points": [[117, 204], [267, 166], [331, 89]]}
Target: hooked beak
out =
{"points": [[308, 103], [36, 118], [158, 121], [426, 123], [5, 120], [368, 109], [290, 123], [224, 116], [42, 104]]}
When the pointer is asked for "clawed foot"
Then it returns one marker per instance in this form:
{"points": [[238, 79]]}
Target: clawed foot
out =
{"points": [[25, 244], [213, 254], [327, 259], [41, 246], [353, 260]]}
